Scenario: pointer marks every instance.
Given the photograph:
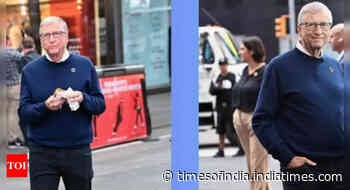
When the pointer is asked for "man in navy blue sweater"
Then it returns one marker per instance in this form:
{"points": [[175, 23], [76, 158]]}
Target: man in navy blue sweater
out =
{"points": [[58, 137], [299, 116], [347, 103]]}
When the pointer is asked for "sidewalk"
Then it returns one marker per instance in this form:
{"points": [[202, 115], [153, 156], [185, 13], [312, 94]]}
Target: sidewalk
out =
{"points": [[230, 165], [209, 138], [159, 107]]}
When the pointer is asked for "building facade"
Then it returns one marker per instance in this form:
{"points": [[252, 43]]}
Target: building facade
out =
{"points": [[107, 31], [257, 17]]}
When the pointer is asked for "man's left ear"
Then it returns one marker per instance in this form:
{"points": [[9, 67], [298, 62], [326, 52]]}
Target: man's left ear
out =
{"points": [[298, 29]]}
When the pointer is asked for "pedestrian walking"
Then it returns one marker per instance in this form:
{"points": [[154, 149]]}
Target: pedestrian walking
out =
{"points": [[12, 59], [28, 51], [252, 51]]}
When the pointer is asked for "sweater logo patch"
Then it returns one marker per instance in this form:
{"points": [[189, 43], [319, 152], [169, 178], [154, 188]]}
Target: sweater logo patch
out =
{"points": [[73, 70], [331, 69]]}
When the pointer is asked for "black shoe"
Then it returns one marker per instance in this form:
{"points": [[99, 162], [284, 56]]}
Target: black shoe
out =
{"points": [[219, 154], [12, 143], [17, 143], [239, 153]]}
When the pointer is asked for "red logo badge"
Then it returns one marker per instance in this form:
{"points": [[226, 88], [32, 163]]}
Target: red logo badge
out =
{"points": [[17, 165]]}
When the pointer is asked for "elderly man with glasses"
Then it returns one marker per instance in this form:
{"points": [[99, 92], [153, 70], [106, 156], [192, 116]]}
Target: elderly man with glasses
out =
{"points": [[59, 133], [299, 116]]}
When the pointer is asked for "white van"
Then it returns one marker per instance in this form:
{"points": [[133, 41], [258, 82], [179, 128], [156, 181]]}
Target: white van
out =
{"points": [[215, 44]]}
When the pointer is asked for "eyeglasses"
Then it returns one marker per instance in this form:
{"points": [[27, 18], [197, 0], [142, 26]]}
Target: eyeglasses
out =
{"points": [[313, 25], [47, 36]]}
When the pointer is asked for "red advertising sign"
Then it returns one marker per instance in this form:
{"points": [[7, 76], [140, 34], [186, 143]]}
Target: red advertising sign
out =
{"points": [[125, 116]]}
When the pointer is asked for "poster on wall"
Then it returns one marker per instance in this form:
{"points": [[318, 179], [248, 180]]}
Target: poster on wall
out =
{"points": [[125, 117], [80, 18], [146, 38]]}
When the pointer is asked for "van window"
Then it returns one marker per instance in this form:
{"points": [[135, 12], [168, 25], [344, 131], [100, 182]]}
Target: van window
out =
{"points": [[232, 44], [227, 48], [206, 51]]}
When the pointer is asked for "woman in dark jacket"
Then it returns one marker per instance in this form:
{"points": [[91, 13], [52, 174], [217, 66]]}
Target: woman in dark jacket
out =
{"points": [[245, 95]]}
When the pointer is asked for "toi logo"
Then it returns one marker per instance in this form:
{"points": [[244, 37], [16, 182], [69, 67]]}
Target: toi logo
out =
{"points": [[16, 165]]}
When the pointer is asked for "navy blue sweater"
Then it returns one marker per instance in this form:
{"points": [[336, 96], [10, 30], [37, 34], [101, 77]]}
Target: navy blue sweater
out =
{"points": [[62, 128], [300, 108]]}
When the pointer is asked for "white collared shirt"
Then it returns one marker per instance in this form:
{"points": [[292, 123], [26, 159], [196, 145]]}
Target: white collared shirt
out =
{"points": [[64, 57], [302, 49], [341, 56]]}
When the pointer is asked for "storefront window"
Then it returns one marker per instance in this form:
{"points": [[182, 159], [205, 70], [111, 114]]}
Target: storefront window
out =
{"points": [[2, 22], [106, 31], [101, 42], [146, 38], [78, 14]]}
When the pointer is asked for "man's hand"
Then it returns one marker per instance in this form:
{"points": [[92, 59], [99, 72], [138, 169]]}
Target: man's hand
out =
{"points": [[76, 96], [219, 84], [53, 104], [299, 161]]}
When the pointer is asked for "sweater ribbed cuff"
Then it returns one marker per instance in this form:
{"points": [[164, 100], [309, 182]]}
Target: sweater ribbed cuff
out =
{"points": [[42, 108], [86, 100], [285, 156]]}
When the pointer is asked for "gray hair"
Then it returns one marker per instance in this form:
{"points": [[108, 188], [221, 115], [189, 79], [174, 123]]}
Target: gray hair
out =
{"points": [[54, 19], [314, 7], [338, 28]]}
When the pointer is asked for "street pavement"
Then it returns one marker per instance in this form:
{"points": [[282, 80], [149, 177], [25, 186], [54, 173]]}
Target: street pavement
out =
{"points": [[207, 137], [132, 166], [207, 164], [160, 106], [140, 164]]}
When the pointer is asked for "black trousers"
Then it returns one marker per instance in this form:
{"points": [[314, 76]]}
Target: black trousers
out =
{"points": [[48, 165], [225, 120], [327, 175]]}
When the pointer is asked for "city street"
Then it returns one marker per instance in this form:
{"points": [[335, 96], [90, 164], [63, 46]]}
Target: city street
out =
{"points": [[133, 165], [207, 164]]}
